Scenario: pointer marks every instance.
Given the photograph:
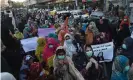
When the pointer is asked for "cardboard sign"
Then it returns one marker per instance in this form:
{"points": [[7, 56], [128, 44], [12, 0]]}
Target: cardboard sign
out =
{"points": [[29, 44], [44, 32], [106, 48]]}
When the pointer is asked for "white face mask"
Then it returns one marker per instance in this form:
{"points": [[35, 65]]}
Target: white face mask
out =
{"points": [[103, 17], [125, 19], [51, 46], [69, 41]]}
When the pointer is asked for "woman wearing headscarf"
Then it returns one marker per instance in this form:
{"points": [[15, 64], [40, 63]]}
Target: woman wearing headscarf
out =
{"points": [[92, 70], [36, 72], [124, 21], [39, 50], [61, 36], [68, 45], [49, 50], [24, 70], [89, 35], [103, 26], [127, 47], [94, 28], [61, 63], [80, 57], [123, 30], [123, 33], [120, 68], [78, 43], [53, 35], [27, 32], [63, 31]]}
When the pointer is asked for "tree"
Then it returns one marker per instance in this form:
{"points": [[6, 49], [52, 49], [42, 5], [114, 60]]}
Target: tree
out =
{"points": [[17, 5]]}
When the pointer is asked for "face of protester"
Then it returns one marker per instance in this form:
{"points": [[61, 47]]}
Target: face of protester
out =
{"points": [[90, 27], [89, 52], [102, 35], [68, 40], [61, 55]]}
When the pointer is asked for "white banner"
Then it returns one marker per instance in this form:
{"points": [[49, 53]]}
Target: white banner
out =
{"points": [[131, 5], [29, 44], [107, 50]]}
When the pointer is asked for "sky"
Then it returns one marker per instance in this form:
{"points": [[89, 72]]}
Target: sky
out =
{"points": [[18, 0]]}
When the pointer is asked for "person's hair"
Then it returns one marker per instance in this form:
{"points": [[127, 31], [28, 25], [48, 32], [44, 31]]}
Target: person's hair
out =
{"points": [[85, 47], [60, 50]]}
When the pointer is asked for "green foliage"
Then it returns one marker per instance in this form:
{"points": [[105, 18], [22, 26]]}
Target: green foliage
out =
{"points": [[17, 4]]}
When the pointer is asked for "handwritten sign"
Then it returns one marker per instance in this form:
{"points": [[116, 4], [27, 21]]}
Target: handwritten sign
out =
{"points": [[106, 48], [29, 44], [43, 32]]}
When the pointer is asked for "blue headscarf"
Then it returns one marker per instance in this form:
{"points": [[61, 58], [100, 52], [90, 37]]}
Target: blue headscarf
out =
{"points": [[119, 73], [84, 27], [26, 32]]}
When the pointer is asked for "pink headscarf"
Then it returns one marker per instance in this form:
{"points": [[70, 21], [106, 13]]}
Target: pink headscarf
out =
{"points": [[51, 26], [48, 52]]}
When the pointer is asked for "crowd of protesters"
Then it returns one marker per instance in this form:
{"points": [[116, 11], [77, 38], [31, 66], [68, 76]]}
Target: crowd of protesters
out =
{"points": [[69, 48]]}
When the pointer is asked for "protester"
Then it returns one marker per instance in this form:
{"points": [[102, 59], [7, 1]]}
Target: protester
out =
{"points": [[61, 63], [127, 47], [92, 69], [78, 43], [49, 50], [94, 29], [120, 68], [39, 50], [123, 33], [27, 31], [61, 36], [124, 21], [36, 72], [63, 31], [24, 70], [89, 35], [68, 45]]}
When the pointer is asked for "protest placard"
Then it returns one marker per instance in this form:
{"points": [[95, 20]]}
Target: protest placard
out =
{"points": [[43, 32], [29, 44], [106, 48]]}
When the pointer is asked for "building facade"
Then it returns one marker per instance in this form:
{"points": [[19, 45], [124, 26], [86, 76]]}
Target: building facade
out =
{"points": [[4, 4]]}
